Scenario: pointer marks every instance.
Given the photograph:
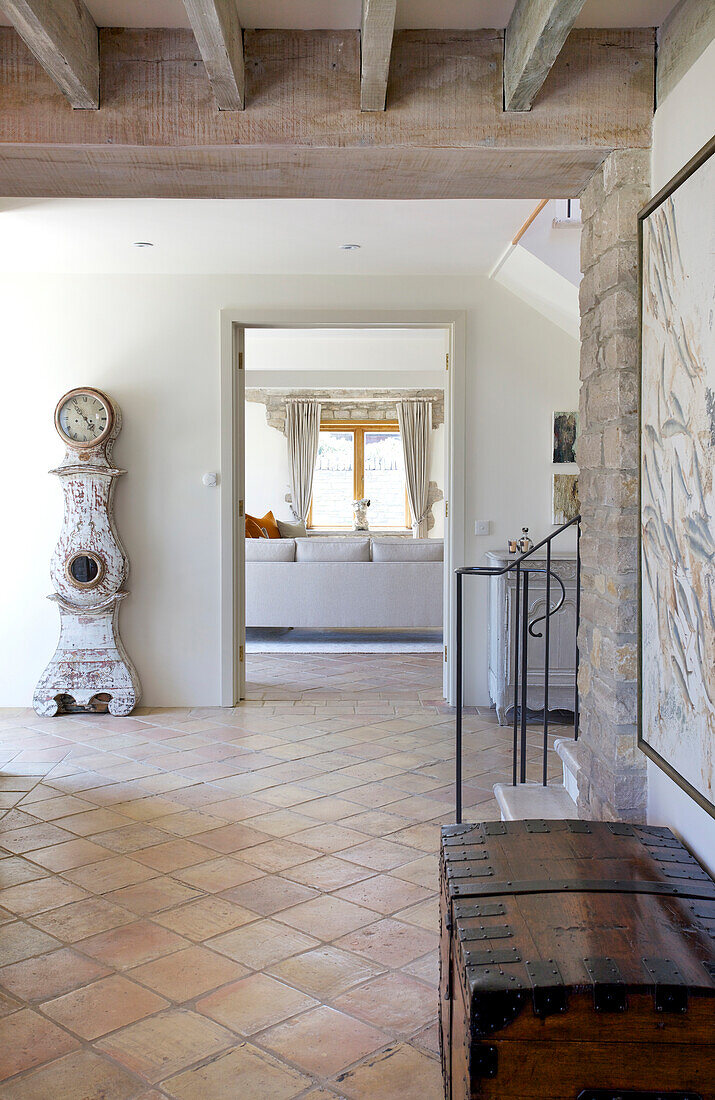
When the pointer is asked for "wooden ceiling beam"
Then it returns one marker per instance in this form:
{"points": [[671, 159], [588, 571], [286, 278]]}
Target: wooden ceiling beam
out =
{"points": [[446, 134], [535, 36], [218, 33], [377, 30], [63, 37]]}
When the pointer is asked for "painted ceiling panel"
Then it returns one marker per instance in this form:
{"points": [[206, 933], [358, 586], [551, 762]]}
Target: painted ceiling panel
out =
{"points": [[340, 14]]}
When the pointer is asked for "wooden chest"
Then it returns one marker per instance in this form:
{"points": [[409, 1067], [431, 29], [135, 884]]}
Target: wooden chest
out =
{"points": [[577, 963]]}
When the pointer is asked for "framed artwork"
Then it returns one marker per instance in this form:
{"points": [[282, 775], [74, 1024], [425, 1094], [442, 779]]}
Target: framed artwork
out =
{"points": [[565, 432], [565, 502], [677, 479]]}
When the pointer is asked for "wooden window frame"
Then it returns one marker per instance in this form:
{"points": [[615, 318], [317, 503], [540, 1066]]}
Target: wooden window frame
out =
{"points": [[358, 428]]}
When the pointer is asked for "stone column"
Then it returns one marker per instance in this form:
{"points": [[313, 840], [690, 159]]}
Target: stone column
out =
{"points": [[612, 772]]}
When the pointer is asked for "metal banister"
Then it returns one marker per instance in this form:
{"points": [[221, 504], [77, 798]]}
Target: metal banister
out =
{"points": [[522, 630]]}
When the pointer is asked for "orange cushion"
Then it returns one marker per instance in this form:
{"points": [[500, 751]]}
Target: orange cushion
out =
{"points": [[253, 530], [267, 521]]}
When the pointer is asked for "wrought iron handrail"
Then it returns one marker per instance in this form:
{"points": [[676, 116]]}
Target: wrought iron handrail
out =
{"points": [[521, 649]]}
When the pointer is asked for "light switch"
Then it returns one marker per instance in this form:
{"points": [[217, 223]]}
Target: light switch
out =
{"points": [[482, 526]]}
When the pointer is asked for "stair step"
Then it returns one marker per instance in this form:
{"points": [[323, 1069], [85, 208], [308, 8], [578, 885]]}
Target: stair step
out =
{"points": [[532, 800], [566, 748]]}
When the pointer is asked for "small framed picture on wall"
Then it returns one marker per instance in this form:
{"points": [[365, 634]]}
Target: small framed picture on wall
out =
{"points": [[565, 503], [565, 433]]}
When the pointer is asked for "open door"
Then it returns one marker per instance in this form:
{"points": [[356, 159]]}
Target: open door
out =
{"points": [[233, 520]]}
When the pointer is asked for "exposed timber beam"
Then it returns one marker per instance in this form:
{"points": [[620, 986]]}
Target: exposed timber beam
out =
{"points": [[218, 33], [159, 133], [535, 37], [63, 37], [378, 28]]}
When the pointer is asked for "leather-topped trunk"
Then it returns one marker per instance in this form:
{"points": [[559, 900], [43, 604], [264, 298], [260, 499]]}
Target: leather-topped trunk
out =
{"points": [[577, 962]]}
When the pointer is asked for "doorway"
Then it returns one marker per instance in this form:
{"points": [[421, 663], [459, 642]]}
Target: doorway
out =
{"points": [[268, 358]]}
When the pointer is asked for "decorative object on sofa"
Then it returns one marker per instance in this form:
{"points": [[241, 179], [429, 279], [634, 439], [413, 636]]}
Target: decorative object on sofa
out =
{"points": [[677, 579], [565, 502], [360, 508], [254, 530], [90, 668], [565, 433], [415, 419], [525, 543], [291, 530], [302, 431], [267, 527]]}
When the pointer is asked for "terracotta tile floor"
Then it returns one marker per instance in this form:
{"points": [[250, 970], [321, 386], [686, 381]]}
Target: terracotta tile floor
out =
{"points": [[205, 903]]}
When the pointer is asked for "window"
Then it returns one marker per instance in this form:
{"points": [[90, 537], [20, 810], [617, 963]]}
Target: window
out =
{"points": [[359, 460]]}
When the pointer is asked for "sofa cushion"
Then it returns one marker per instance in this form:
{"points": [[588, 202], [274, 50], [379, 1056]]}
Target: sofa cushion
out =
{"points": [[253, 531], [291, 530], [270, 549], [268, 522], [407, 549], [332, 549]]}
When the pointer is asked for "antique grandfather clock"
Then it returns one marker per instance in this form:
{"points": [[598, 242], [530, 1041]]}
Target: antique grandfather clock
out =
{"points": [[90, 669]]}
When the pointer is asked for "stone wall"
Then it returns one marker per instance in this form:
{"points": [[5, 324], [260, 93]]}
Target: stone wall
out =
{"points": [[612, 775], [346, 404]]}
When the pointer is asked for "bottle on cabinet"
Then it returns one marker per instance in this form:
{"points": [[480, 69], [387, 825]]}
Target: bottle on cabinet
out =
{"points": [[525, 543]]}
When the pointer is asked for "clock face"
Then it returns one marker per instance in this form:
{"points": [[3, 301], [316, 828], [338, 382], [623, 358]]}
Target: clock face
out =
{"points": [[83, 417]]}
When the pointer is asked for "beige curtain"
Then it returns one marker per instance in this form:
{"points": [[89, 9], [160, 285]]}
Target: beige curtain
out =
{"points": [[415, 420], [302, 429]]}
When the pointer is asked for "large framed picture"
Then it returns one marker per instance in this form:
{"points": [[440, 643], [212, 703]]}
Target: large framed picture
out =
{"points": [[677, 479]]}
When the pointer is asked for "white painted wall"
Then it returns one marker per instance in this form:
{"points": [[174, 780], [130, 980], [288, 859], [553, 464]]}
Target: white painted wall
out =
{"points": [[684, 122], [153, 343], [334, 349]]}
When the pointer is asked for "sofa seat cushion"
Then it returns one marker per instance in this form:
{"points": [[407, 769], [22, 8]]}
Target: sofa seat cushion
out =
{"points": [[270, 549], [332, 549], [399, 549]]}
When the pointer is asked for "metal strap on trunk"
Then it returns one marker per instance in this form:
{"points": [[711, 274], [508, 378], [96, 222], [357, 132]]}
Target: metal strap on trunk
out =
{"points": [[457, 855], [698, 890], [629, 1094], [485, 932], [501, 957], [467, 869], [671, 992], [464, 910], [548, 990], [609, 988]]}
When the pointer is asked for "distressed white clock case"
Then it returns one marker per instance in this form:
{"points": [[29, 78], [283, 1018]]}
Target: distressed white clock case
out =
{"points": [[90, 660]]}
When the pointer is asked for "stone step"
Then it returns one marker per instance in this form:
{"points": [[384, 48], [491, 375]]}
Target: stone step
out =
{"points": [[532, 800], [566, 749]]}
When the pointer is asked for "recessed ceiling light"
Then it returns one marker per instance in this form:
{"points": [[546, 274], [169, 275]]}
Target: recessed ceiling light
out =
{"points": [[349, 247], [143, 244]]}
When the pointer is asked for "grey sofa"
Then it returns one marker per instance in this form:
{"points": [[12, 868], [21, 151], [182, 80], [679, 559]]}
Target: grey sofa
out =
{"points": [[358, 583]]}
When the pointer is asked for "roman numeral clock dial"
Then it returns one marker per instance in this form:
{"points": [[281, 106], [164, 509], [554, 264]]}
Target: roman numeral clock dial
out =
{"points": [[90, 670]]}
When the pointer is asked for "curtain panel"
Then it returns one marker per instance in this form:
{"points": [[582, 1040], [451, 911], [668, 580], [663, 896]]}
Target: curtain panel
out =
{"points": [[415, 420], [302, 431]]}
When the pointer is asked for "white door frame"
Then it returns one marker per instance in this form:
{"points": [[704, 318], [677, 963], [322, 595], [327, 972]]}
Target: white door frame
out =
{"points": [[234, 322]]}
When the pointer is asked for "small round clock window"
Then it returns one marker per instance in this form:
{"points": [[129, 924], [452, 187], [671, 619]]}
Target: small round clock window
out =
{"points": [[84, 569]]}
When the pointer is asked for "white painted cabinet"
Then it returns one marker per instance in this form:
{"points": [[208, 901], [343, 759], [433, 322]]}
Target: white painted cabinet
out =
{"points": [[502, 628]]}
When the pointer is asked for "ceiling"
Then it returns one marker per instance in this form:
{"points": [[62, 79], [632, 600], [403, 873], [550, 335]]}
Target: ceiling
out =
{"points": [[340, 14], [257, 236]]}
